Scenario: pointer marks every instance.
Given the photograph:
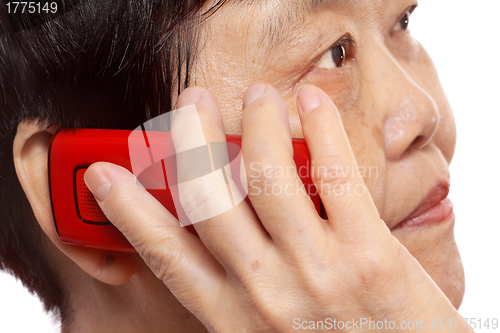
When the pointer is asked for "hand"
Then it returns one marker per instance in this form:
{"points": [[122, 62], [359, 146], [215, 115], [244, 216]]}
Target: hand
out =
{"points": [[256, 270]]}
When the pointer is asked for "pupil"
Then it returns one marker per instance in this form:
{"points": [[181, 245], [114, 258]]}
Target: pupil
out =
{"points": [[404, 22], [338, 54]]}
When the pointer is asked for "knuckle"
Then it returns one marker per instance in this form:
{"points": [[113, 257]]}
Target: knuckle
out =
{"points": [[378, 268], [204, 197], [264, 175], [374, 273], [329, 172], [161, 258]]}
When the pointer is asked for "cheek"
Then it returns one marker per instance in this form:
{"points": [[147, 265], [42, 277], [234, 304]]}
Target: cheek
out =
{"points": [[445, 137], [365, 134], [364, 128]]}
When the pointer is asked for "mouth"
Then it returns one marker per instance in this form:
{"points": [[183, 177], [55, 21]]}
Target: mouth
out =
{"points": [[434, 208]]}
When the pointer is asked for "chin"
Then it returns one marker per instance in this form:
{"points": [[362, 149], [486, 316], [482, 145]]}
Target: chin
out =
{"points": [[435, 249]]}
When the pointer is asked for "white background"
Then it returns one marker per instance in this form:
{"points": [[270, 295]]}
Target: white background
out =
{"points": [[462, 37]]}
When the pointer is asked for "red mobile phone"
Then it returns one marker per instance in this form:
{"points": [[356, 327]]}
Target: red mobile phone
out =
{"points": [[78, 218]]}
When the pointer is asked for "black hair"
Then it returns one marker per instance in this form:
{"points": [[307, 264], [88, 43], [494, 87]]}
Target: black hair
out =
{"points": [[103, 64]]}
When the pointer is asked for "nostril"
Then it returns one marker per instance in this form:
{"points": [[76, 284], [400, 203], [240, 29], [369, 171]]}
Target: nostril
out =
{"points": [[420, 141]]}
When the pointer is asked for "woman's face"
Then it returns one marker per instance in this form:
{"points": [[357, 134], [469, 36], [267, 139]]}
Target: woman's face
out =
{"points": [[394, 110]]}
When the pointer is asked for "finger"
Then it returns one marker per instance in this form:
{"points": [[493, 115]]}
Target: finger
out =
{"points": [[211, 200], [341, 187], [274, 187], [176, 256]]}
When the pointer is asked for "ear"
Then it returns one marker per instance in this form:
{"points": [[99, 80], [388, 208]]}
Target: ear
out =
{"points": [[31, 148]]}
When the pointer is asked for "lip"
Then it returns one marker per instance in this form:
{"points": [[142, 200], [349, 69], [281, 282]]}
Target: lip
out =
{"points": [[434, 208]]}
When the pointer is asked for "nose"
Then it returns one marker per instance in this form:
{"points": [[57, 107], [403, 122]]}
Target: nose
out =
{"points": [[411, 122], [410, 115]]}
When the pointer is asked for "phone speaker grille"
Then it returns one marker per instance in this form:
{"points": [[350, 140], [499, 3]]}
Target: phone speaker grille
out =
{"points": [[88, 208]]}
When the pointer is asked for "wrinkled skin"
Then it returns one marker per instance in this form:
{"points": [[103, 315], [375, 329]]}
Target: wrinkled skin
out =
{"points": [[388, 102]]}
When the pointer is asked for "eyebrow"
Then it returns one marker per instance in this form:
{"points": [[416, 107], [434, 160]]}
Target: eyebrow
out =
{"points": [[314, 4], [288, 17]]}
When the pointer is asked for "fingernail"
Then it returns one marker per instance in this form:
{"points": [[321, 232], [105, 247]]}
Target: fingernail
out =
{"points": [[308, 99], [97, 182], [254, 92], [190, 96]]}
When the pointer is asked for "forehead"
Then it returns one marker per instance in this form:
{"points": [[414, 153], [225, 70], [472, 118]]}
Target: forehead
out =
{"points": [[274, 20], [305, 5], [254, 32]]}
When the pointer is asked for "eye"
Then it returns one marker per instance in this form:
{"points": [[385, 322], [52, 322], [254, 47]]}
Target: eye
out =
{"points": [[405, 20], [403, 23], [333, 58]]}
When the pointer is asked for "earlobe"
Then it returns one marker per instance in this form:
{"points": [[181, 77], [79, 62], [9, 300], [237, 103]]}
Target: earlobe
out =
{"points": [[31, 149]]}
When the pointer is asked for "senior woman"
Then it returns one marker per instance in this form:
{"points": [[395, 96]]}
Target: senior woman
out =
{"points": [[347, 76]]}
